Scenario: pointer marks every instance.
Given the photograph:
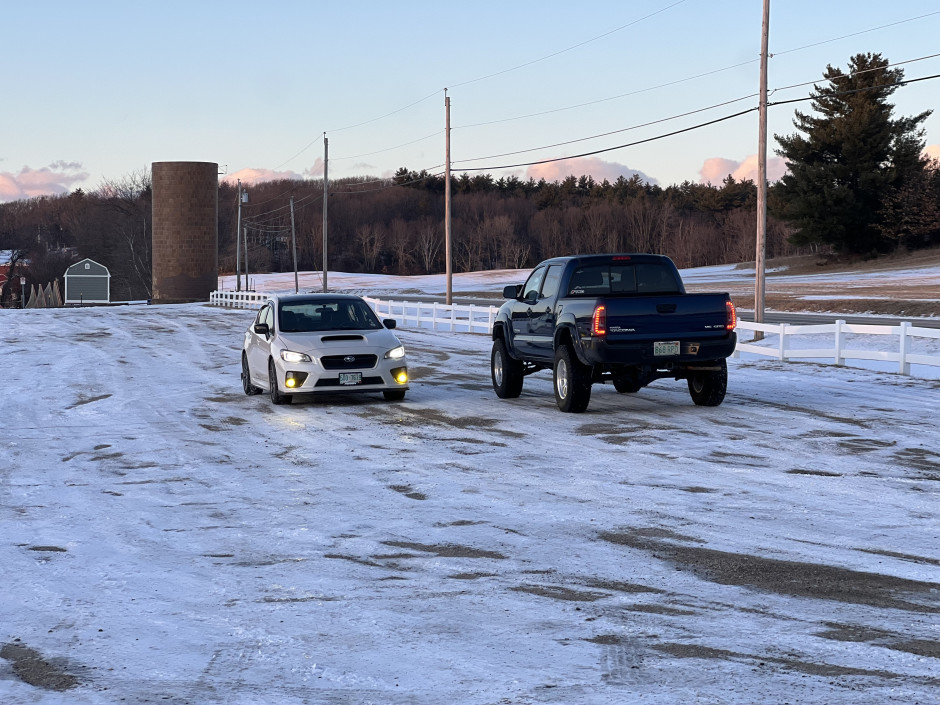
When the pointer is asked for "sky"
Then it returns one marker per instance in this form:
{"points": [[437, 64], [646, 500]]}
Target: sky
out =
{"points": [[100, 90], [165, 538]]}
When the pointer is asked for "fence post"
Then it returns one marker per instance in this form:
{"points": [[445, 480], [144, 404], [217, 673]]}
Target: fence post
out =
{"points": [[434, 316], [489, 323], [453, 317], [470, 323], [904, 367], [783, 337], [839, 360]]}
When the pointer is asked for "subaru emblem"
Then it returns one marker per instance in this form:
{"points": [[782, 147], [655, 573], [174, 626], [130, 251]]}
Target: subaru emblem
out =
{"points": [[349, 358]]}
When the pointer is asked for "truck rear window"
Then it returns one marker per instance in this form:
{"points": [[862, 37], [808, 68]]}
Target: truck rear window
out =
{"points": [[635, 278]]}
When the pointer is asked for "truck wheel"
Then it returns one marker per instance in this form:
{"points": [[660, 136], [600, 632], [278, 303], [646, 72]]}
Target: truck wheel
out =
{"points": [[708, 388], [627, 384], [276, 396], [572, 381], [506, 372]]}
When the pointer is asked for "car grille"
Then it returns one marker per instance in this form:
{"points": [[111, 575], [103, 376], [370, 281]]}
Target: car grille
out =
{"points": [[348, 362], [334, 382]]}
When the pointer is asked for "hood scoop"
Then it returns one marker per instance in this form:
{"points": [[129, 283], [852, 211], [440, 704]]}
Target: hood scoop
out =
{"points": [[338, 338]]}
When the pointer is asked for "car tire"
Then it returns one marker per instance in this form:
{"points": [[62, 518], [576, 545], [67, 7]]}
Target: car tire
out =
{"points": [[393, 394], [276, 396], [247, 386], [505, 371], [572, 381], [709, 388]]}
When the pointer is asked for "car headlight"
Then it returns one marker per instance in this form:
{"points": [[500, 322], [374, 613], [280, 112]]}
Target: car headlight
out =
{"points": [[290, 356], [395, 353]]}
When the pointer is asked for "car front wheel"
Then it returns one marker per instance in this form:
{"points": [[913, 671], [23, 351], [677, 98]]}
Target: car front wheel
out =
{"points": [[249, 388], [276, 396], [572, 381]]}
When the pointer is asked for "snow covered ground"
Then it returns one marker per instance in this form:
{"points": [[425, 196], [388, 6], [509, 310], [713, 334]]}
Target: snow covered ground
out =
{"points": [[164, 538]]}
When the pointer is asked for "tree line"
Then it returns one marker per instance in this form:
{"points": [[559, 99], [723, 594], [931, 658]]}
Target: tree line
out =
{"points": [[857, 185]]}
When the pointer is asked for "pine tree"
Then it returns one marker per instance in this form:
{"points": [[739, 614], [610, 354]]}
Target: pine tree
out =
{"points": [[848, 157]]}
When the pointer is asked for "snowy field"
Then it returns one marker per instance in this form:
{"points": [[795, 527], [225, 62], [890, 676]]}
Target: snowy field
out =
{"points": [[166, 539]]}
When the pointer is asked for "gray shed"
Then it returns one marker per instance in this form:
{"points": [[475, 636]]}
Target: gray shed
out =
{"points": [[87, 282]]}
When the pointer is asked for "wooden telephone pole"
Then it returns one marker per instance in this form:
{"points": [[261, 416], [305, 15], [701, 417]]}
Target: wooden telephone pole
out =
{"points": [[447, 252], [761, 177], [326, 196]]}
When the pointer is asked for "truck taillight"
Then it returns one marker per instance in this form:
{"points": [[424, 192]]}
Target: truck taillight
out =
{"points": [[732, 319], [599, 322]]}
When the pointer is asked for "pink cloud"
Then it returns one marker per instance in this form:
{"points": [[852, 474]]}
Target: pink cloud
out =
{"points": [[57, 178], [252, 175], [932, 151], [584, 166], [717, 169]]}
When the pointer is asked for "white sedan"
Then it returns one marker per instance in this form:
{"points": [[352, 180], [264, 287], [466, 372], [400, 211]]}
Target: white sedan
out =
{"points": [[322, 343]]}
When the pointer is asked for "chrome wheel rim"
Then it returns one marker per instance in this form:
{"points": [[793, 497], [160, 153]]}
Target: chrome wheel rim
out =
{"points": [[561, 379], [498, 368]]}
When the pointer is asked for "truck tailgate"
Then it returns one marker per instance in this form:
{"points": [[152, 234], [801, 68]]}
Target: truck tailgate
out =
{"points": [[680, 317]]}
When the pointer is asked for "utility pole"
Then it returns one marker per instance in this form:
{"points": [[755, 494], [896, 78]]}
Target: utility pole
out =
{"points": [[246, 257], [326, 197], [761, 177], [447, 253], [293, 238], [238, 241]]}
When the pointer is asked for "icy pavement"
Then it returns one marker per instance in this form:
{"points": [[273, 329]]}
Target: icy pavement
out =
{"points": [[165, 538]]}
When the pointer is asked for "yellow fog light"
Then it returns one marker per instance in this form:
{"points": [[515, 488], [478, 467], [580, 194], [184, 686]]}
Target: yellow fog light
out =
{"points": [[402, 377], [294, 379]]}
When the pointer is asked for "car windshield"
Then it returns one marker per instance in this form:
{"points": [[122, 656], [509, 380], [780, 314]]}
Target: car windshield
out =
{"points": [[325, 315]]}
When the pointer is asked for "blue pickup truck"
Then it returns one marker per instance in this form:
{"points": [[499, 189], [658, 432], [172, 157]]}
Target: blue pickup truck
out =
{"points": [[623, 318]]}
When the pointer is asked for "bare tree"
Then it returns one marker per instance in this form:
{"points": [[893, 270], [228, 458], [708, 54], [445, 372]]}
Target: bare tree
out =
{"points": [[429, 244]]}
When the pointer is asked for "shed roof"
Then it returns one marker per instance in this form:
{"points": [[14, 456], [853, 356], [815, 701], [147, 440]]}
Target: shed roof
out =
{"points": [[87, 267]]}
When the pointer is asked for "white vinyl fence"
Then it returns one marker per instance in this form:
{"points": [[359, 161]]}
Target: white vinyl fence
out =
{"points": [[900, 346], [455, 318], [238, 299], [893, 347]]}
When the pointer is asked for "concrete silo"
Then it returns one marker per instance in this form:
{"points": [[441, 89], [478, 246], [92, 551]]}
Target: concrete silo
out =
{"points": [[185, 231]]}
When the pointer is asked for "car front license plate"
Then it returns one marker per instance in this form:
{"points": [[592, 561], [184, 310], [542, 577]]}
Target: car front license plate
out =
{"points": [[666, 348], [350, 378]]}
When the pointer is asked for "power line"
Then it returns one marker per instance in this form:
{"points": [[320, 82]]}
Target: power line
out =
{"points": [[855, 34], [607, 134], [611, 149], [605, 100], [482, 78], [389, 149], [563, 51], [858, 73], [602, 100], [673, 117], [693, 127], [858, 90]]}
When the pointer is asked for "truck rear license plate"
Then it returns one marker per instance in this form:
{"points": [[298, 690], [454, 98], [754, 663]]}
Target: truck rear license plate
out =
{"points": [[666, 348], [350, 378]]}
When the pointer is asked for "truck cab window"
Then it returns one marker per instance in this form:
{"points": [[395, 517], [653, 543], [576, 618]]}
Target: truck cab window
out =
{"points": [[552, 280], [532, 285]]}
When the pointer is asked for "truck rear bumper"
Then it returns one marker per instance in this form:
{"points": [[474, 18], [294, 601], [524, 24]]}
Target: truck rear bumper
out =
{"points": [[599, 351]]}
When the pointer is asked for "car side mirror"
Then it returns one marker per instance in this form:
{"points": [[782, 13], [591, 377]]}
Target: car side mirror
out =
{"points": [[389, 323], [262, 329], [512, 291]]}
